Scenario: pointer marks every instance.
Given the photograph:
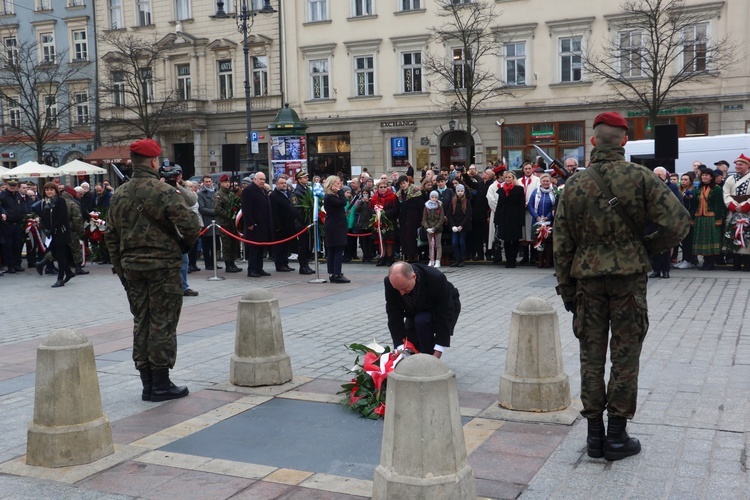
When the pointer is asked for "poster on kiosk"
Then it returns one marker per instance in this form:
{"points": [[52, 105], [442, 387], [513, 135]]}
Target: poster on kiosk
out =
{"points": [[288, 154]]}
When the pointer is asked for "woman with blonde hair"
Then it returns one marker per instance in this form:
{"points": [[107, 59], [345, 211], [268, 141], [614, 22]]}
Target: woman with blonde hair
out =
{"points": [[335, 227]]}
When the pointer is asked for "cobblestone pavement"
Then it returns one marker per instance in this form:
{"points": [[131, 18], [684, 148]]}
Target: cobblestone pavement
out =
{"points": [[695, 371]]}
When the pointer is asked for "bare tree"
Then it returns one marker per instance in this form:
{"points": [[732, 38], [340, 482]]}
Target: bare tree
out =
{"points": [[37, 97], [659, 47], [465, 77], [128, 90]]}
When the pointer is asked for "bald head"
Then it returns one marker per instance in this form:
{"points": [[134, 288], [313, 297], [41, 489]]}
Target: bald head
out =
{"points": [[402, 278]]}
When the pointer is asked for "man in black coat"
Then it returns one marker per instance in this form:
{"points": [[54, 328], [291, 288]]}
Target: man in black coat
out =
{"points": [[15, 208], [258, 226], [283, 214], [422, 307]]}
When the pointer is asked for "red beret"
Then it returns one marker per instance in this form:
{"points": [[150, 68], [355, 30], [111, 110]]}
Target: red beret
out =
{"points": [[499, 169], [224, 178], [70, 191], [611, 118], [743, 158], [146, 147]]}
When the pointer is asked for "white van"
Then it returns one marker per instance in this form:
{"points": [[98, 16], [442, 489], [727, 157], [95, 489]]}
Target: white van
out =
{"points": [[706, 149]]}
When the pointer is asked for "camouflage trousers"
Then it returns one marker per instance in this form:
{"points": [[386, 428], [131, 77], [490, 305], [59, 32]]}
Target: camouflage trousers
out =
{"points": [[76, 249], [230, 248], [155, 299], [617, 303]]}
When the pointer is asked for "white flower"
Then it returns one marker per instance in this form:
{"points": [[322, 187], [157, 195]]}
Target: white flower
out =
{"points": [[376, 347]]}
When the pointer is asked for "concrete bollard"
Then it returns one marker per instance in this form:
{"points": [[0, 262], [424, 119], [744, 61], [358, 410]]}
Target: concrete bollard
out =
{"points": [[534, 379], [423, 453], [259, 357], [69, 426]]}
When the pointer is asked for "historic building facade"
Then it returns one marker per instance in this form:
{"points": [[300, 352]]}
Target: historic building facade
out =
{"points": [[357, 74], [201, 64], [43, 42]]}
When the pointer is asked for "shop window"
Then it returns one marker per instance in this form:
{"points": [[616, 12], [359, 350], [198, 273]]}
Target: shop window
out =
{"points": [[558, 139]]}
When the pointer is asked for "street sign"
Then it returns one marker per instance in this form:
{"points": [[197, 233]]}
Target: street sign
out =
{"points": [[254, 136], [254, 147]]}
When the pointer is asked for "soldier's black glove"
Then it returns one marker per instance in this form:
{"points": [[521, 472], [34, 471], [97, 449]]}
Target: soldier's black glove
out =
{"points": [[570, 306]]}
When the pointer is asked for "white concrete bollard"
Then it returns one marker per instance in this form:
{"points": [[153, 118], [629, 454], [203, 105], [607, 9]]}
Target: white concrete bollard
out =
{"points": [[259, 357], [69, 426], [423, 455], [534, 379]]}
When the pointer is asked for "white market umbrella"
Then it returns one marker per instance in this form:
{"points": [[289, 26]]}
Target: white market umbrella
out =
{"points": [[78, 167], [31, 169], [3, 170]]}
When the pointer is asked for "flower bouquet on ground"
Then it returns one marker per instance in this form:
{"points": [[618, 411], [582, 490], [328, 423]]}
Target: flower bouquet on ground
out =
{"points": [[365, 394]]}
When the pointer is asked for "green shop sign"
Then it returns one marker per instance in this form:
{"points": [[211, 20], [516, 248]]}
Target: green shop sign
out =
{"points": [[669, 111]]}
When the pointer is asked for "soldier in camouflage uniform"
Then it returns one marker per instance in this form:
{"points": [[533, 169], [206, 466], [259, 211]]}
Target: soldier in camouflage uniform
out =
{"points": [[225, 200], [76, 229], [148, 229], [601, 271]]}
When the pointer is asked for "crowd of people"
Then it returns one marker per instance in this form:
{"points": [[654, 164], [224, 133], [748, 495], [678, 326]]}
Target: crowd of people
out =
{"points": [[53, 227], [445, 217]]}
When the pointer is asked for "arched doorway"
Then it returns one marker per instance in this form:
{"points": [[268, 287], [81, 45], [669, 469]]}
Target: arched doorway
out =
{"points": [[449, 141]]}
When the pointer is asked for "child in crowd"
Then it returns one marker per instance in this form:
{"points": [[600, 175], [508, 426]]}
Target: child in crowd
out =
{"points": [[433, 219]]}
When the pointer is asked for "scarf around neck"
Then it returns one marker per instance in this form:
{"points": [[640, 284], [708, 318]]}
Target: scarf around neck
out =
{"points": [[538, 198]]}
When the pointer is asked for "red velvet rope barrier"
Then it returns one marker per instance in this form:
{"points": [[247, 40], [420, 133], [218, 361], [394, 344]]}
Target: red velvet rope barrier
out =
{"points": [[271, 243], [262, 243]]}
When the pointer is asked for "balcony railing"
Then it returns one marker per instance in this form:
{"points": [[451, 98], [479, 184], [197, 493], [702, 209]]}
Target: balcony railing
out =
{"points": [[218, 106]]}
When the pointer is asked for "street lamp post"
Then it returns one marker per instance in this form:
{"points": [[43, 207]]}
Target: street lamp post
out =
{"points": [[245, 19]]}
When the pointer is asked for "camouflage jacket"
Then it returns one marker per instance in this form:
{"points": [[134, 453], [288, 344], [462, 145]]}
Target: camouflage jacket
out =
{"points": [[141, 242], [226, 199], [590, 239], [75, 216]]}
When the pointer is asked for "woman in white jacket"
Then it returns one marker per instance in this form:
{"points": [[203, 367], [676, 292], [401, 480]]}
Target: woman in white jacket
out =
{"points": [[492, 202]]}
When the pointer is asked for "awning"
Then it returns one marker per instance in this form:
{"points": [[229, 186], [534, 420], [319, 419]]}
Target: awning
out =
{"points": [[109, 154]]}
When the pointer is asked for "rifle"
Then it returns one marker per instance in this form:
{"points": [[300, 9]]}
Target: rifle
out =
{"points": [[554, 163], [123, 178]]}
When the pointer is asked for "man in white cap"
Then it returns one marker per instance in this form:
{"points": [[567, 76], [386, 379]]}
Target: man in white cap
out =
{"points": [[737, 200]]}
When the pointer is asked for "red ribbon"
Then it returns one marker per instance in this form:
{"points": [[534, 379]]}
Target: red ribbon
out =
{"points": [[32, 229], [739, 232], [378, 211], [545, 231]]}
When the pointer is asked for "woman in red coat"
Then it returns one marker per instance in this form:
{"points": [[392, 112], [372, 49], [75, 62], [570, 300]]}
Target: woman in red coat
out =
{"points": [[510, 216], [385, 198]]}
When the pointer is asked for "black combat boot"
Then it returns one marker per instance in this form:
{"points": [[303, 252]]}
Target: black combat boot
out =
{"points": [[618, 444], [80, 270], [596, 437], [163, 389], [232, 267], [147, 379]]}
